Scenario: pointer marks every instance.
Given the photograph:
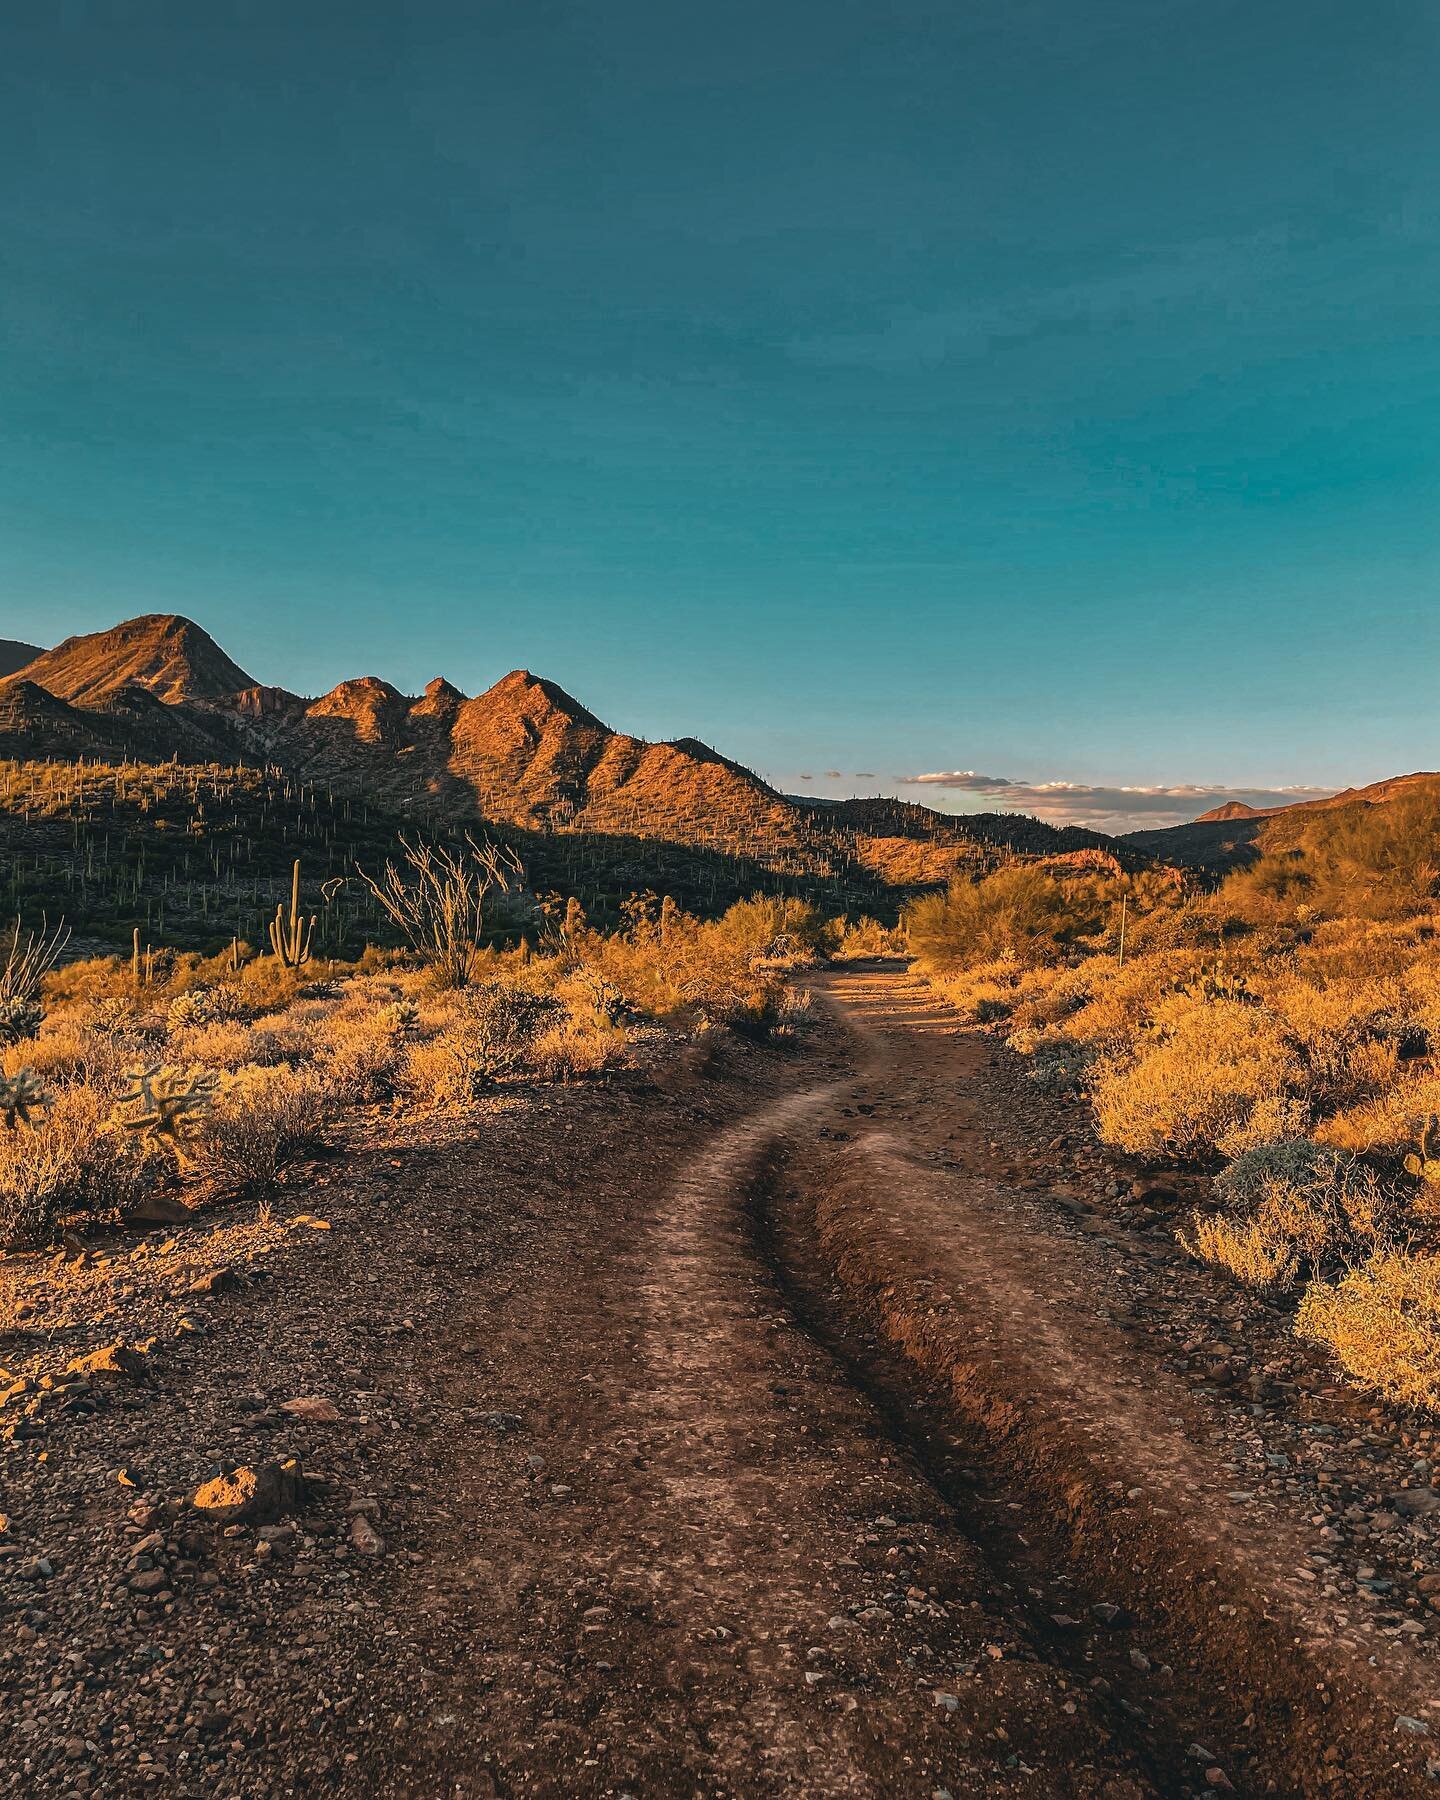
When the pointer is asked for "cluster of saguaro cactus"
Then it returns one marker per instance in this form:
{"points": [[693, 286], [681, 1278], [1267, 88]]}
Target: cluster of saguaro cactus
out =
{"points": [[22, 1097], [291, 938], [165, 1105]]}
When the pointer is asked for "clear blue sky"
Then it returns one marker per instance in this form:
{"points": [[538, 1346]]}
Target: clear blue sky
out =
{"points": [[1018, 386]]}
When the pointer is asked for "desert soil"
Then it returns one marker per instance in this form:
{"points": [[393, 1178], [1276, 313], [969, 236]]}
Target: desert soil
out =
{"points": [[822, 1420]]}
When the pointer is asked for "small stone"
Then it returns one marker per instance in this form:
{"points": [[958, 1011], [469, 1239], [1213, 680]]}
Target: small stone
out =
{"points": [[366, 1539], [313, 1407], [498, 1421]]}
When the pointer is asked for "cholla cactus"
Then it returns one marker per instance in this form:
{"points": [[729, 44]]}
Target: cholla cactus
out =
{"points": [[22, 1096], [607, 1004], [202, 1006], [172, 1104], [19, 1019], [400, 1017], [1425, 1165]]}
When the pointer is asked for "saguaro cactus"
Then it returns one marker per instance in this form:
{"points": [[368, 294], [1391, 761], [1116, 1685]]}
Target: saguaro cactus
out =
{"points": [[290, 938]]}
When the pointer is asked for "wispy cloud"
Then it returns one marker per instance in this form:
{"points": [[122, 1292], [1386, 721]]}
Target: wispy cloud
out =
{"points": [[1233, 272], [1105, 808]]}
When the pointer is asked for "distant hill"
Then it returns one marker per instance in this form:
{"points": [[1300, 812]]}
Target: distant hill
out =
{"points": [[169, 656], [1232, 809], [15, 655], [524, 754], [1235, 834]]}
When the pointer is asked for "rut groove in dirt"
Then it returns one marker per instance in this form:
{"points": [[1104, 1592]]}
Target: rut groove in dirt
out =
{"points": [[1157, 1737]]}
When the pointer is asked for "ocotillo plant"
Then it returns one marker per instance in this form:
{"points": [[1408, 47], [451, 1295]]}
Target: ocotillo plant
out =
{"points": [[290, 938], [21, 974]]}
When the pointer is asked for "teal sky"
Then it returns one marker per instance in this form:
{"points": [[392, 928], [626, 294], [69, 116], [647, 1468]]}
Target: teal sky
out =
{"points": [[1042, 390]]}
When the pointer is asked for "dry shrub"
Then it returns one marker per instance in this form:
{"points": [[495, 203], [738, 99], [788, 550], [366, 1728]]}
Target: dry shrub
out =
{"points": [[574, 1048], [71, 1162], [263, 1119], [1217, 1075], [1121, 1000], [293, 1035], [726, 971], [226, 1044], [995, 989], [70, 1050], [1288, 1229], [488, 1034], [1021, 911], [361, 1051], [1253, 1251], [1382, 1325], [865, 937], [1389, 1123]]}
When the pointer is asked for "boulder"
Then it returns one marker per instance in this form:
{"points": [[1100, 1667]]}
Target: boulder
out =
{"points": [[214, 1281], [158, 1209], [115, 1362], [251, 1496]]}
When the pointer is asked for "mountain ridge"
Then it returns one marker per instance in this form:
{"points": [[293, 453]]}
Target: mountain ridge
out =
{"points": [[15, 656], [524, 753]]}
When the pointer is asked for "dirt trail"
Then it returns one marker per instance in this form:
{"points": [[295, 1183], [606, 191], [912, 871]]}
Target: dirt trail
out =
{"points": [[756, 1436], [993, 1332], [876, 1499]]}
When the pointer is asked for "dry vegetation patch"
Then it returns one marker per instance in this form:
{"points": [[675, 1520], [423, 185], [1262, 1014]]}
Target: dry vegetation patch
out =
{"points": [[1281, 1032]]}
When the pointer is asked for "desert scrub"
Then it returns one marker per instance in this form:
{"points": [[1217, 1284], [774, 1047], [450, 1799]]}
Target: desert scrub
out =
{"points": [[573, 1048], [1266, 1249], [1381, 1323], [70, 1162], [361, 1050], [1389, 1123], [489, 1036], [1022, 911], [856, 939], [262, 1119], [1213, 1076]]}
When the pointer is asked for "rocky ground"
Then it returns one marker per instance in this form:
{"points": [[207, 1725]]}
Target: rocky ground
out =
{"points": [[824, 1420]]}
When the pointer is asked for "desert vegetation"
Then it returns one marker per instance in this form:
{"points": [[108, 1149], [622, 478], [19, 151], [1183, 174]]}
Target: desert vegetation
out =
{"points": [[133, 1086], [1278, 1031]]}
